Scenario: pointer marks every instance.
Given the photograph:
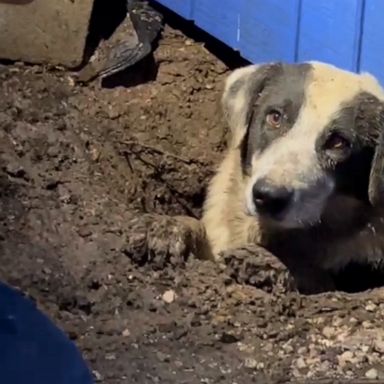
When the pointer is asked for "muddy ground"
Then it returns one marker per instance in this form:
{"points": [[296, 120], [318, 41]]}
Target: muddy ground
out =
{"points": [[79, 162]]}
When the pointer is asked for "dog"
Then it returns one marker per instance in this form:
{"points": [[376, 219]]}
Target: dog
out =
{"points": [[302, 177]]}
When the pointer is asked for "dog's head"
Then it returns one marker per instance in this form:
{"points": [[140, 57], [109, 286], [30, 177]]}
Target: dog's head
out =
{"points": [[306, 133]]}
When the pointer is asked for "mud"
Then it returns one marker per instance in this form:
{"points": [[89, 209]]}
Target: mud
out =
{"points": [[79, 162]]}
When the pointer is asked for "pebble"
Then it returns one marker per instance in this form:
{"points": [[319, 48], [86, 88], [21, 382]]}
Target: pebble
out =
{"points": [[300, 363], [366, 324], [378, 345], [329, 332], [169, 296], [250, 363], [126, 333], [370, 307], [97, 375], [345, 358], [372, 374]]}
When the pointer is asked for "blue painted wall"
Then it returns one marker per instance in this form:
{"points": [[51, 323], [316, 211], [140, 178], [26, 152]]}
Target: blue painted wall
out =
{"points": [[330, 31], [372, 43], [183, 8], [347, 33]]}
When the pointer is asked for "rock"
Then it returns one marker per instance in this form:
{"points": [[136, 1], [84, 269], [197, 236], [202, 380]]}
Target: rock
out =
{"points": [[345, 357], [329, 332], [97, 375], [110, 356], [126, 333], [370, 307], [169, 296], [164, 358], [372, 374], [378, 345], [250, 363], [300, 363]]}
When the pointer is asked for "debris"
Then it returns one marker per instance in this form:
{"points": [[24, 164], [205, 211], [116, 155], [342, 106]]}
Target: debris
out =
{"points": [[372, 374], [169, 296], [122, 50], [250, 363], [370, 307]]}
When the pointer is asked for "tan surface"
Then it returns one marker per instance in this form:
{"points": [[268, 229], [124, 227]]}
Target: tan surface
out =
{"points": [[48, 31]]}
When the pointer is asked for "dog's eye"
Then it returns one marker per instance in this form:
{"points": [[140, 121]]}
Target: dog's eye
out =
{"points": [[336, 142], [274, 118]]}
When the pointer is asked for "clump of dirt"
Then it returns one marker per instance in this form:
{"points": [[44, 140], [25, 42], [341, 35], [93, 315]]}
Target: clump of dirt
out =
{"points": [[79, 162]]}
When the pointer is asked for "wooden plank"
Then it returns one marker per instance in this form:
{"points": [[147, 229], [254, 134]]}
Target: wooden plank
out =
{"points": [[372, 43], [268, 30], [51, 31], [330, 31]]}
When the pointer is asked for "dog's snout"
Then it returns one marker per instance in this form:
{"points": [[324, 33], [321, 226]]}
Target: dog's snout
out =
{"points": [[270, 199]]}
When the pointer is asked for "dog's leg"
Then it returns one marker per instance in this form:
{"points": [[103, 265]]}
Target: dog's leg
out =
{"points": [[254, 265], [161, 239]]}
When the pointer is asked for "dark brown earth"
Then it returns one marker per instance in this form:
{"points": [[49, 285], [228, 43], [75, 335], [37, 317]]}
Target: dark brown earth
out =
{"points": [[79, 162]]}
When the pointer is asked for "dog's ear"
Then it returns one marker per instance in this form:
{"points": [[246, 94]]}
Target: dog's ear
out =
{"points": [[241, 90], [370, 123], [376, 176]]}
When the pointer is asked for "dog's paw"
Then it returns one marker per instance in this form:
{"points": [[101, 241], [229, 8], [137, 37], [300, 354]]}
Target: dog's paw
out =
{"points": [[161, 240], [256, 266]]}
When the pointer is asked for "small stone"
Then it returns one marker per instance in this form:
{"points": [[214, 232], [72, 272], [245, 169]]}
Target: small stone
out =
{"points": [[302, 350], [370, 307], [372, 374], [250, 363], [164, 358], [110, 356], [300, 363], [97, 375], [378, 345], [169, 296], [329, 332], [126, 333], [345, 358], [366, 324]]}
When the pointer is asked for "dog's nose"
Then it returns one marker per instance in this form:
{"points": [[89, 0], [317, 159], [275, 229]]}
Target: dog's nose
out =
{"points": [[271, 199]]}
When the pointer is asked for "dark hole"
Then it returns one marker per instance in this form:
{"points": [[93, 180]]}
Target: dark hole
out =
{"points": [[358, 277]]}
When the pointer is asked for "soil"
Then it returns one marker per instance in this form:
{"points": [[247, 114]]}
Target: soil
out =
{"points": [[79, 162]]}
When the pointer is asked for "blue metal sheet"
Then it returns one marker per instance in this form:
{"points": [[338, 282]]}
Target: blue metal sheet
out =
{"points": [[330, 31], [372, 44], [183, 8], [268, 30], [220, 18]]}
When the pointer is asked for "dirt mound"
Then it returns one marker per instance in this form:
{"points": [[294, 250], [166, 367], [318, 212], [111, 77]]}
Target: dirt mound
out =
{"points": [[78, 163]]}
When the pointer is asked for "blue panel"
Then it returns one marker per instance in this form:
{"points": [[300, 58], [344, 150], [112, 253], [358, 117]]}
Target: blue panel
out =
{"points": [[268, 30], [372, 47], [220, 18], [183, 8], [330, 31]]}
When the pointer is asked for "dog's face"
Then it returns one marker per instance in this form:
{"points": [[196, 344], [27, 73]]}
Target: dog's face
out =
{"points": [[307, 133]]}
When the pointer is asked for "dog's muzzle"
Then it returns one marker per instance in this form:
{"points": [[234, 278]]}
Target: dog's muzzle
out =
{"points": [[271, 200]]}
